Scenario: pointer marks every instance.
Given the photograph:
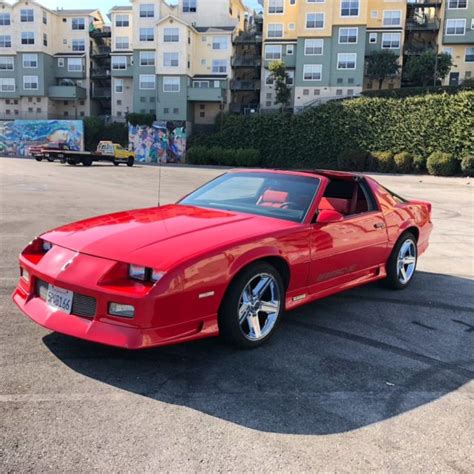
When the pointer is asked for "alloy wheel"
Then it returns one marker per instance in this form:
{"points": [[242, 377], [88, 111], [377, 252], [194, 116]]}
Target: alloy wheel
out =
{"points": [[406, 261]]}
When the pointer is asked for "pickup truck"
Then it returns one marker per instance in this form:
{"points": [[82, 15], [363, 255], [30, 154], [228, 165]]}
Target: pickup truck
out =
{"points": [[106, 151]]}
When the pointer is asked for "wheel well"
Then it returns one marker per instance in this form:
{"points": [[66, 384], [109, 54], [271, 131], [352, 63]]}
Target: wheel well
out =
{"points": [[415, 231], [280, 265]]}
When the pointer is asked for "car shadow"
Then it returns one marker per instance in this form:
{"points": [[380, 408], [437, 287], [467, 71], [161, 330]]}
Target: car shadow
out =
{"points": [[335, 365]]}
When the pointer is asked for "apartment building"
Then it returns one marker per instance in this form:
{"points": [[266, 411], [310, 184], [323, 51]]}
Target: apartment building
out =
{"points": [[174, 61], [45, 61]]}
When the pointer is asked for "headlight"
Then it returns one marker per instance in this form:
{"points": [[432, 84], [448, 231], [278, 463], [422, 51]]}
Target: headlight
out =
{"points": [[46, 246], [122, 310], [137, 273]]}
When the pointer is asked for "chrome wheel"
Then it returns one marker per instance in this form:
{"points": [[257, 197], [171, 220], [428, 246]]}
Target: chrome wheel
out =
{"points": [[406, 261], [259, 306]]}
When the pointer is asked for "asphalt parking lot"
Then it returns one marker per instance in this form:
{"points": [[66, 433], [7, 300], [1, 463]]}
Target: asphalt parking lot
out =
{"points": [[368, 380]]}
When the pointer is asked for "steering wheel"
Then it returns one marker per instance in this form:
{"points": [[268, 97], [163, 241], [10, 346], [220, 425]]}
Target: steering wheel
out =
{"points": [[289, 205]]}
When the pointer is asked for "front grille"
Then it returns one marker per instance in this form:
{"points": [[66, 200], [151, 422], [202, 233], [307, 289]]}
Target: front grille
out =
{"points": [[82, 305]]}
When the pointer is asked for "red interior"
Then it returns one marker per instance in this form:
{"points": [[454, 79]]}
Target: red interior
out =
{"points": [[335, 204], [271, 198]]}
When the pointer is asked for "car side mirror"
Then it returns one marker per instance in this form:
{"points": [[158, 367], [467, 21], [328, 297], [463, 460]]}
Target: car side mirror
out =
{"points": [[327, 216]]}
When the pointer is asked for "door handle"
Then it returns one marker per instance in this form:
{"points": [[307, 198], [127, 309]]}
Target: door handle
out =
{"points": [[379, 225]]}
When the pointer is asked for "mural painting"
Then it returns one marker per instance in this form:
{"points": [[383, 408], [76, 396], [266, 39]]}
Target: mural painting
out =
{"points": [[17, 136], [163, 142]]}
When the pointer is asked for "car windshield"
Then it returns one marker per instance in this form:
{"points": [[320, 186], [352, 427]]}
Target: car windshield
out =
{"points": [[282, 196]]}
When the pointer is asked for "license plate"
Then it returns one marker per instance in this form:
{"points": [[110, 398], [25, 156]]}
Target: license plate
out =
{"points": [[59, 298]]}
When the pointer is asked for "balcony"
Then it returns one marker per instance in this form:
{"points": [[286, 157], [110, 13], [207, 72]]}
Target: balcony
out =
{"points": [[100, 73], [241, 61], [248, 85], [105, 33], [66, 92], [101, 52], [101, 93], [424, 3], [423, 24], [203, 94], [247, 38]]}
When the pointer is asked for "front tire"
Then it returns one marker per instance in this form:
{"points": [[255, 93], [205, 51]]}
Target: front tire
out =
{"points": [[130, 161], [401, 265], [38, 158], [252, 307]]}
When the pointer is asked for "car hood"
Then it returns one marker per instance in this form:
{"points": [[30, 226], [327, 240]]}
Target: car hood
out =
{"points": [[161, 236]]}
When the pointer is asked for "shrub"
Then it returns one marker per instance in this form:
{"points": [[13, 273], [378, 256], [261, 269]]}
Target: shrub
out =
{"points": [[403, 162], [201, 155], [382, 161], [352, 160], [419, 163], [467, 165], [441, 164]]}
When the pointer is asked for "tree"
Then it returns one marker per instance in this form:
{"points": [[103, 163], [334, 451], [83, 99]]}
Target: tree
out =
{"points": [[428, 67], [380, 65], [280, 77]]}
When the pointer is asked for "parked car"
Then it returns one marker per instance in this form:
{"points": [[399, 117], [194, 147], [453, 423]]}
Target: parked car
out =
{"points": [[227, 259], [40, 152]]}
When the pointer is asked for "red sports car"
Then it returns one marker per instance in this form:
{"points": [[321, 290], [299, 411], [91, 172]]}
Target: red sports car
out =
{"points": [[227, 259]]}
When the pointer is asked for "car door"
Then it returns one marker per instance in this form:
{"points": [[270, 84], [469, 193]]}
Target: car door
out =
{"points": [[353, 248]]}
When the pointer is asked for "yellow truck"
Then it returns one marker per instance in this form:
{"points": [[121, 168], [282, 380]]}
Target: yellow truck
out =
{"points": [[106, 151]]}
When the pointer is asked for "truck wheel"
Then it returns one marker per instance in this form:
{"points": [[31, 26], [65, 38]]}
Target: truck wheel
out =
{"points": [[71, 161], [50, 159], [116, 163], [38, 158], [130, 161], [87, 161]]}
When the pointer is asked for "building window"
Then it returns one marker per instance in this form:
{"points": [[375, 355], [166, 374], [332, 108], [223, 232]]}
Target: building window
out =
{"points": [[121, 42], [5, 41], [78, 45], [171, 35], [119, 102], [457, 4], [305, 91], [275, 6], [60, 62], [147, 81], [147, 34], [372, 38], [374, 14], [147, 10], [202, 114], [469, 57], [45, 39], [74, 64], [171, 84], [268, 103], [292, 26], [346, 60], [339, 80], [392, 18], [5, 19], [455, 27], [350, 7], [315, 21], [290, 49], [30, 61], [338, 91], [78, 24], [189, 6], [38, 110], [27, 37], [166, 110], [27, 15], [147, 58], [219, 66], [317, 92], [269, 95], [219, 42], [275, 30], [7, 84], [391, 40], [122, 21], [170, 59], [312, 72], [119, 63], [30, 83], [313, 47], [272, 51], [6, 63], [201, 84], [348, 35], [176, 111]]}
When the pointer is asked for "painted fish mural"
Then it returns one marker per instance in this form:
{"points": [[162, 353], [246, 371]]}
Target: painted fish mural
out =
{"points": [[163, 142], [17, 136]]}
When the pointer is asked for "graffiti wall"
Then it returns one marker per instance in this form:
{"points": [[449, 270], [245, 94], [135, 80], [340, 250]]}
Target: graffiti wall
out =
{"points": [[18, 135], [163, 142]]}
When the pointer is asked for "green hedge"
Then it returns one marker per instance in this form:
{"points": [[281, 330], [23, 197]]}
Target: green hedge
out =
{"points": [[318, 137], [201, 155]]}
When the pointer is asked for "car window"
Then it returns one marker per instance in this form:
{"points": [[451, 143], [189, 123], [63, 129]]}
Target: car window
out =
{"points": [[270, 194]]}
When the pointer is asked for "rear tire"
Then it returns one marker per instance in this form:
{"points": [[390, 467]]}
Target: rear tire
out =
{"points": [[401, 265], [87, 161], [130, 161], [38, 158], [116, 163], [252, 307]]}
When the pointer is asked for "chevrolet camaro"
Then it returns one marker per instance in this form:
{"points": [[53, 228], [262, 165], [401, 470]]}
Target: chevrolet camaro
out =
{"points": [[226, 259]]}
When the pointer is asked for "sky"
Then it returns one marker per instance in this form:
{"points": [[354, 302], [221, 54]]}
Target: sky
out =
{"points": [[106, 5]]}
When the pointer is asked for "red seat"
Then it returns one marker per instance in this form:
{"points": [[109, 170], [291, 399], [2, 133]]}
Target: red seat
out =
{"points": [[271, 198], [335, 204]]}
